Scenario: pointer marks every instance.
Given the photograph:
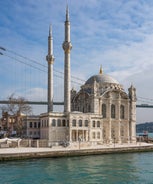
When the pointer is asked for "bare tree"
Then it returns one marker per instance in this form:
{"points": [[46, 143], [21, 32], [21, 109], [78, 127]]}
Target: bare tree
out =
{"points": [[16, 107]]}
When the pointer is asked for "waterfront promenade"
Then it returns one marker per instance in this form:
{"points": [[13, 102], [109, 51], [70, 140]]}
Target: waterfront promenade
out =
{"points": [[59, 151]]}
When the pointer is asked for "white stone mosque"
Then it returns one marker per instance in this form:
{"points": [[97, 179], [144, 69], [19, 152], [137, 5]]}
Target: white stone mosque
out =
{"points": [[101, 112]]}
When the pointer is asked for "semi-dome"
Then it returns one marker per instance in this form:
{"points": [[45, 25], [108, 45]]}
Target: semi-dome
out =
{"points": [[101, 78]]}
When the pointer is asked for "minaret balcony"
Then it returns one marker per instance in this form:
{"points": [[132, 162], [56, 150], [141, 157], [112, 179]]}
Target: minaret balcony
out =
{"points": [[50, 59], [67, 46]]}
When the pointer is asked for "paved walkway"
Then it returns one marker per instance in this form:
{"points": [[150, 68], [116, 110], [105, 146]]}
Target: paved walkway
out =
{"points": [[59, 148]]}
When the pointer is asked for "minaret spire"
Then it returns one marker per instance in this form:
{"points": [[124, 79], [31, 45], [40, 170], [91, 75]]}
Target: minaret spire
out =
{"points": [[67, 13], [67, 46], [50, 42], [50, 60], [50, 30]]}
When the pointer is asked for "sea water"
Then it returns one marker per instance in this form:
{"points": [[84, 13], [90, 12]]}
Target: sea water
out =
{"points": [[150, 135], [127, 168]]}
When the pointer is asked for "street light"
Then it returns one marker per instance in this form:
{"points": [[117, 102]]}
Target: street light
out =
{"points": [[114, 142], [79, 142]]}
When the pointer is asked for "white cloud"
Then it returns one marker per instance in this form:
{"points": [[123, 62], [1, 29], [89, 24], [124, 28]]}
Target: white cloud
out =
{"points": [[116, 34]]}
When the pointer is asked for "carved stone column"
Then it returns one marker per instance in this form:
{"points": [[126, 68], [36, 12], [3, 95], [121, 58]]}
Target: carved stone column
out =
{"points": [[119, 120], [110, 124]]}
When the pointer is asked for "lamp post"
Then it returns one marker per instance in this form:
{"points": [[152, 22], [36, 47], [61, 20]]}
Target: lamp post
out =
{"points": [[114, 142], [79, 142]]}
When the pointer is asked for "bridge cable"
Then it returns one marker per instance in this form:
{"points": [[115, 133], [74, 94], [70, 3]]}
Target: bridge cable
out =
{"points": [[37, 68], [38, 63]]}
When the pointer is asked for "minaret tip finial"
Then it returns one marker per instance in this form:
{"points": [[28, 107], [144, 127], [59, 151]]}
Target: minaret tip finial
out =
{"points": [[101, 70], [132, 85], [50, 30], [67, 13]]}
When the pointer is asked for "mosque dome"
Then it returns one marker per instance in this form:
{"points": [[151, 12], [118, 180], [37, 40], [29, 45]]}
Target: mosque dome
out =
{"points": [[101, 79]]}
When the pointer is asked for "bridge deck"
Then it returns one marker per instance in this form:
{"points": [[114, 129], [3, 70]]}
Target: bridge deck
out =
{"points": [[62, 103], [31, 102]]}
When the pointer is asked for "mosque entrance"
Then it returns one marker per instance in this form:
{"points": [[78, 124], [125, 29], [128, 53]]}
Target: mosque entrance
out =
{"points": [[79, 135]]}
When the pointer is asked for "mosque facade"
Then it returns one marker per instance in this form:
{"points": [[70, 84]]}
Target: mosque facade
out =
{"points": [[101, 112]]}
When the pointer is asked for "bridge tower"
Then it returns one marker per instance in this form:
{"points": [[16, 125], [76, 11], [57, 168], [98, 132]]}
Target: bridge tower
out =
{"points": [[67, 46], [50, 60]]}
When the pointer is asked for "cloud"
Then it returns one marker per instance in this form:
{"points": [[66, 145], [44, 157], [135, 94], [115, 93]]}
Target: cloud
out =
{"points": [[116, 34]]}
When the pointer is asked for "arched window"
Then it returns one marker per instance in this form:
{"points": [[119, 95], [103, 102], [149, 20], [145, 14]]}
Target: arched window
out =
{"points": [[30, 124], [35, 124], [58, 122], [98, 123], [54, 122], [112, 111], [104, 110], [80, 123], [74, 122], [83, 110], [122, 111], [63, 122], [93, 123], [86, 123]]}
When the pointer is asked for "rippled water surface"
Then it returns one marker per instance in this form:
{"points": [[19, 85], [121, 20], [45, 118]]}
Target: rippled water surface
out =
{"points": [[112, 168]]}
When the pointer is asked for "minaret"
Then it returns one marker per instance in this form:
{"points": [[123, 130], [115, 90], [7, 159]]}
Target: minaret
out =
{"points": [[67, 46], [50, 60]]}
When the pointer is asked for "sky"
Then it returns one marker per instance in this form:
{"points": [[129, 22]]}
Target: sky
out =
{"points": [[117, 34]]}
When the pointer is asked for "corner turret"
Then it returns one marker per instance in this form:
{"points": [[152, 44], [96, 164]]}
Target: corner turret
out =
{"points": [[132, 115]]}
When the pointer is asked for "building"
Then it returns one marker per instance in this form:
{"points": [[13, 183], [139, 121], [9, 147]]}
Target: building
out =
{"points": [[12, 124], [19, 125], [101, 112], [32, 127]]}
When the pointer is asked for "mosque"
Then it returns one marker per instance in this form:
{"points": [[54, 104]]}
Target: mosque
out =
{"points": [[101, 112]]}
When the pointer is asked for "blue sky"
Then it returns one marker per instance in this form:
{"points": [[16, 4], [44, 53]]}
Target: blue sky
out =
{"points": [[117, 34]]}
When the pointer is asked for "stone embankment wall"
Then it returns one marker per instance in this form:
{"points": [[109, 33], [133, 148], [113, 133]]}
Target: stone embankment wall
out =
{"points": [[68, 153]]}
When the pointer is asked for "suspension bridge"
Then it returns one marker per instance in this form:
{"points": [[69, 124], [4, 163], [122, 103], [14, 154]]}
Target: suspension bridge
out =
{"points": [[62, 103], [28, 70]]}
